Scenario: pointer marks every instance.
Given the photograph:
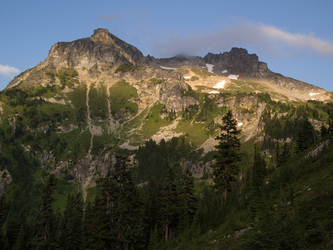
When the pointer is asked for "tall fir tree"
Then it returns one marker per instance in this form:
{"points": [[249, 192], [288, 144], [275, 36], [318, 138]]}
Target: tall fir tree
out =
{"points": [[169, 205], [285, 154], [257, 181], [189, 202], [117, 222], [3, 214], [226, 169], [71, 234], [152, 211], [306, 136], [45, 222], [277, 155]]}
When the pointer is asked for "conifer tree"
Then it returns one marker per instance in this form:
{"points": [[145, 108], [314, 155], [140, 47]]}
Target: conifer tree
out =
{"points": [[92, 226], [323, 131], [154, 239], [226, 169], [23, 233], [306, 136], [45, 223], [152, 208], [285, 155], [71, 224], [257, 178], [118, 212], [3, 212], [169, 205], [277, 155], [189, 203]]}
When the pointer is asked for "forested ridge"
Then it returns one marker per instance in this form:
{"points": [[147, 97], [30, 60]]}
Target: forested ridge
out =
{"points": [[270, 192], [267, 207]]}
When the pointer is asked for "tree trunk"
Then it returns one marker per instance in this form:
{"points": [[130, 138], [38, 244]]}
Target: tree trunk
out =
{"points": [[166, 232], [225, 192]]}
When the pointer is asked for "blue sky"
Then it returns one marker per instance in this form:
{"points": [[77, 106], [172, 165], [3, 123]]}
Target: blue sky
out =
{"points": [[294, 37]]}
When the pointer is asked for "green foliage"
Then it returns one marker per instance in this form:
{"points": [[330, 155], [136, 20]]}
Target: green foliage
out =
{"points": [[170, 205], [122, 96], [306, 136], [257, 183], [190, 92], [194, 78], [71, 225], [98, 102], [45, 233], [118, 212], [156, 81], [18, 97], [52, 76], [78, 96], [190, 112], [123, 68], [201, 72], [226, 169], [189, 203], [67, 77], [208, 108], [155, 159]]}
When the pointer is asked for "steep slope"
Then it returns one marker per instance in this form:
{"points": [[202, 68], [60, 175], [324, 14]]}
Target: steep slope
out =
{"points": [[102, 48]]}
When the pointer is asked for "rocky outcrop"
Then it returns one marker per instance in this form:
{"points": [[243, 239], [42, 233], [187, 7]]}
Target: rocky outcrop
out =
{"points": [[5, 179], [238, 62], [101, 48], [171, 95]]}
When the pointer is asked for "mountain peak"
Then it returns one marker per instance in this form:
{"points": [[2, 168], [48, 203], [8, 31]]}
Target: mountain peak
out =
{"points": [[101, 35], [101, 47], [100, 31]]}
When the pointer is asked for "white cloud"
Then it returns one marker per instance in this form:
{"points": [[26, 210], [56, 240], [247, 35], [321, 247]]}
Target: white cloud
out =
{"points": [[8, 71], [298, 41], [270, 39]]}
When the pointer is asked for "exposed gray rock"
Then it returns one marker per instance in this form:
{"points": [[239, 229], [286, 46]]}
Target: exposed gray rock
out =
{"points": [[238, 62], [5, 179], [101, 47]]}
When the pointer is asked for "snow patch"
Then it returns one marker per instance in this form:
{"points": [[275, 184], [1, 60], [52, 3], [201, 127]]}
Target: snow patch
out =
{"points": [[240, 124], [210, 67], [225, 71], [312, 94], [168, 68], [187, 77], [219, 85], [214, 92], [234, 77]]}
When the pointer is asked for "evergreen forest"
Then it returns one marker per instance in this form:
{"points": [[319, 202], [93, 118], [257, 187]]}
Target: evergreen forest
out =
{"points": [[272, 193]]}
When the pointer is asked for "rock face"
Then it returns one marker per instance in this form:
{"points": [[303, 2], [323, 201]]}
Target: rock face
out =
{"points": [[101, 47], [238, 62]]}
